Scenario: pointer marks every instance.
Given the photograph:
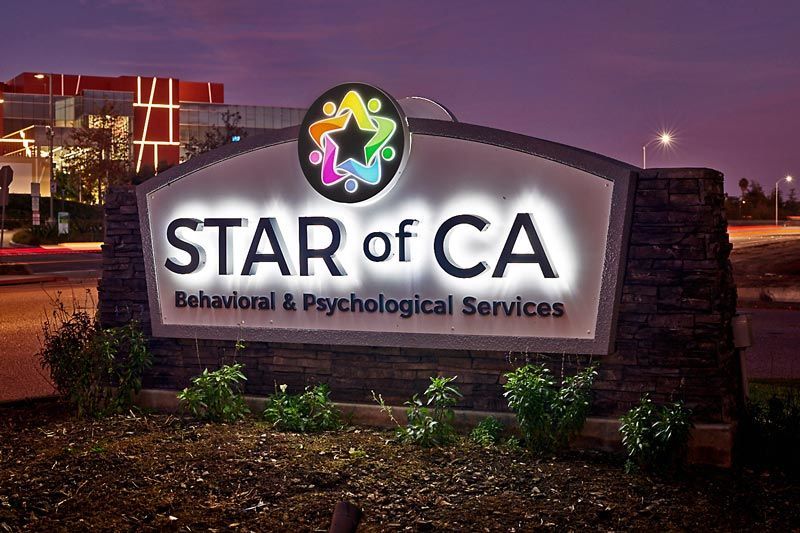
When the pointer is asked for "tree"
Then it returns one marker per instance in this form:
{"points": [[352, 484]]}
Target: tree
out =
{"points": [[792, 204], [147, 172], [760, 206], [67, 184], [100, 153], [217, 136], [743, 183]]}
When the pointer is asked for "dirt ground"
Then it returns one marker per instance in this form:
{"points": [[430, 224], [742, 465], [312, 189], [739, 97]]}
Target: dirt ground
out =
{"points": [[159, 472]]}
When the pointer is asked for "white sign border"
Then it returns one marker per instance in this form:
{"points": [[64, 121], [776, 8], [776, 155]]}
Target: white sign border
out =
{"points": [[621, 174]]}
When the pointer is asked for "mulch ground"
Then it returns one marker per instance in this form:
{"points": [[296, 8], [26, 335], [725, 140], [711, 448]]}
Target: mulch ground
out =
{"points": [[159, 472]]}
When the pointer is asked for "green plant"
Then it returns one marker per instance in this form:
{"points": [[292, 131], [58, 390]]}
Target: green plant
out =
{"points": [[47, 233], [356, 453], [310, 411], [97, 447], [770, 430], [488, 432], [430, 419], [548, 413], [655, 437], [216, 395], [98, 370]]}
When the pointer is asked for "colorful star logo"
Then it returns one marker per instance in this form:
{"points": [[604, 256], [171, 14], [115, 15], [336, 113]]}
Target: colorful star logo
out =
{"points": [[355, 149]]}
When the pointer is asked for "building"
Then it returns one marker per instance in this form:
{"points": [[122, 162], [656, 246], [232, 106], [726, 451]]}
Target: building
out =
{"points": [[159, 115]]}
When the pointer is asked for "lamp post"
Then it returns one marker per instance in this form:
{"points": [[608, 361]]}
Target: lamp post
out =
{"points": [[50, 134], [664, 139], [787, 179]]}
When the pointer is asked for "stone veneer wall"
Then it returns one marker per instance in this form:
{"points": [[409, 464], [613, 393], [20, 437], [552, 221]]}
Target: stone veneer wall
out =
{"points": [[674, 337]]}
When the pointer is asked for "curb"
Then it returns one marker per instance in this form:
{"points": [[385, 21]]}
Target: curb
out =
{"points": [[27, 280], [770, 294]]}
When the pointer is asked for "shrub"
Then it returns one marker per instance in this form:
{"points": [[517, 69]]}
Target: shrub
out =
{"points": [[97, 370], [488, 432], [655, 437], [430, 420], [307, 412], [46, 233], [770, 430], [548, 414], [216, 395]]}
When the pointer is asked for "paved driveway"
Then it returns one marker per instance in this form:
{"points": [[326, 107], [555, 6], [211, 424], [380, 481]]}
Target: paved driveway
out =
{"points": [[22, 309]]}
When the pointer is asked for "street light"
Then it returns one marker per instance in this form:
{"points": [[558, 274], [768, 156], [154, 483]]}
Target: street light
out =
{"points": [[50, 134], [787, 179], [664, 139]]}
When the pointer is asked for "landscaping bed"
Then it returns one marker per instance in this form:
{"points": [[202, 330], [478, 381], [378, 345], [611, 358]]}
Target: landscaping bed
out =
{"points": [[165, 472]]}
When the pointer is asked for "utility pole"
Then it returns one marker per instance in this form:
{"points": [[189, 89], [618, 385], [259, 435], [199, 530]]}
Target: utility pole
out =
{"points": [[52, 134], [787, 179]]}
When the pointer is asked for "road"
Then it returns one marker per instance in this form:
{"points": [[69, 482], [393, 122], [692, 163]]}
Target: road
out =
{"points": [[22, 310], [775, 353], [73, 264], [745, 236]]}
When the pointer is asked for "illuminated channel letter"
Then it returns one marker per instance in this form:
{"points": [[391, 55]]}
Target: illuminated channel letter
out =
{"points": [[441, 248], [270, 227], [402, 236], [225, 245], [327, 254], [197, 256], [524, 221], [371, 249]]}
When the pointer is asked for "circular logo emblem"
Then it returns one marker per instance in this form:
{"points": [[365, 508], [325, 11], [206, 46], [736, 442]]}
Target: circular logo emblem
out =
{"points": [[353, 143]]}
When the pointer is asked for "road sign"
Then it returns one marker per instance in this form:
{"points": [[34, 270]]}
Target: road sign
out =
{"points": [[6, 176], [35, 193], [63, 222]]}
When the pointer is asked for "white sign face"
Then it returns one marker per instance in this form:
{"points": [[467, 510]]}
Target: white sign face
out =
{"points": [[473, 246]]}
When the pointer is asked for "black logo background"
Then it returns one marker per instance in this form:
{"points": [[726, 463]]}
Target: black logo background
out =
{"points": [[350, 140]]}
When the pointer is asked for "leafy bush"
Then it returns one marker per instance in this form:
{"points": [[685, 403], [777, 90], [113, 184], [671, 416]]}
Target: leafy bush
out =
{"points": [[307, 412], [488, 432], [216, 395], [430, 420], [656, 437], [770, 430], [548, 414], [47, 233], [97, 370]]}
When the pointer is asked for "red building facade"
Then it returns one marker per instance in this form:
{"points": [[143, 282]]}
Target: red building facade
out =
{"points": [[155, 127]]}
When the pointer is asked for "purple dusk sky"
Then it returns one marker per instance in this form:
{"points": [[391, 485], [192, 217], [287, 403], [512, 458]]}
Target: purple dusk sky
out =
{"points": [[601, 75]]}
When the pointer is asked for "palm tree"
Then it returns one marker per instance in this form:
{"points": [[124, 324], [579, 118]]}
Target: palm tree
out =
{"points": [[743, 183]]}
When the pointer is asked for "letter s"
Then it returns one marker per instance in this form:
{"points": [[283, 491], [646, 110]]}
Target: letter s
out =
{"points": [[197, 256]]}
